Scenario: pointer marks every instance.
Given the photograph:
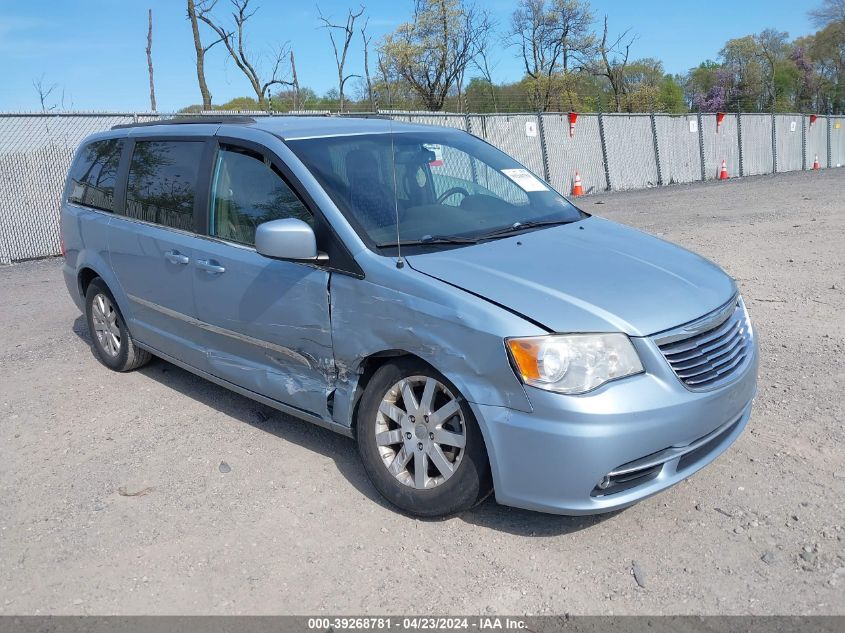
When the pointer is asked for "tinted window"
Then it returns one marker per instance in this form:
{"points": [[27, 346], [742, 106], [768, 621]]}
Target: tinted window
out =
{"points": [[93, 175], [162, 182], [247, 191]]}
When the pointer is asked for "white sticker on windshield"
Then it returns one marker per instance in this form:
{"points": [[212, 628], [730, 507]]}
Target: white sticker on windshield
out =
{"points": [[525, 179]]}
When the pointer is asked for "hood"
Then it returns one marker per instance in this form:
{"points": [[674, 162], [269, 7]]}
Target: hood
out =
{"points": [[589, 276]]}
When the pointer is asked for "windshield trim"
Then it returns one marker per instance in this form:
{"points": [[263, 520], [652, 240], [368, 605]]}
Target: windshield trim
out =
{"points": [[470, 241]]}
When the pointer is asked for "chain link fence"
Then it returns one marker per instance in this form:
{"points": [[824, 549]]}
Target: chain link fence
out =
{"points": [[609, 152]]}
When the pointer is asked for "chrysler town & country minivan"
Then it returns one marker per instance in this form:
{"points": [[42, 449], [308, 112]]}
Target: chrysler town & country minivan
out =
{"points": [[417, 289]]}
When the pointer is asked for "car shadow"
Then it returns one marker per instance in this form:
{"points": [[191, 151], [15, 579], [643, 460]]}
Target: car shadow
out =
{"points": [[341, 450]]}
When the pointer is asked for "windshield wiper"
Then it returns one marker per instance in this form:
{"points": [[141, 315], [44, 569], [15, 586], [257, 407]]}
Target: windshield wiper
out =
{"points": [[516, 227], [432, 239]]}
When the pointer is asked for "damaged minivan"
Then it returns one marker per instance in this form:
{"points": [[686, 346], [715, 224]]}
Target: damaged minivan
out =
{"points": [[418, 290]]}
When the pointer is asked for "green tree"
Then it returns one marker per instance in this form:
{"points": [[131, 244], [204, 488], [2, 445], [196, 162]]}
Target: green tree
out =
{"points": [[826, 51], [432, 51], [672, 94]]}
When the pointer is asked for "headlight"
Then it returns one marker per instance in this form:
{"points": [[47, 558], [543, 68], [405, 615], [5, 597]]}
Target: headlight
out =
{"points": [[573, 363]]}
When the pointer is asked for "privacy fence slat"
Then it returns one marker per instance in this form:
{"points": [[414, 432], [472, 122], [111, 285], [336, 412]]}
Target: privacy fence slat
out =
{"points": [[36, 151]]}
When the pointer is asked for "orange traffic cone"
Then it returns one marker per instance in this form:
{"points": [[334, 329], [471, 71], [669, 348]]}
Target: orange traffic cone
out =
{"points": [[577, 188], [816, 163], [723, 173]]}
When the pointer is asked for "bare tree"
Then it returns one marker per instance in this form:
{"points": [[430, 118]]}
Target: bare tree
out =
{"points": [[347, 31], [150, 58], [553, 38], [294, 83], [367, 40], [195, 10], [235, 42], [830, 11], [484, 65], [433, 50], [385, 75], [614, 58], [44, 93]]}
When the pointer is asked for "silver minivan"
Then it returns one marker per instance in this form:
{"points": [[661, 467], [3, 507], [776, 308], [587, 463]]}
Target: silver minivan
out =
{"points": [[417, 289]]}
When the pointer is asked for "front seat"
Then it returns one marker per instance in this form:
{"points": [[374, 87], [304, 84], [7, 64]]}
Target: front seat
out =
{"points": [[371, 201]]}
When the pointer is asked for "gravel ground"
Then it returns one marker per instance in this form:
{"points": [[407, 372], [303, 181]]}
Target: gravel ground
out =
{"points": [[158, 492]]}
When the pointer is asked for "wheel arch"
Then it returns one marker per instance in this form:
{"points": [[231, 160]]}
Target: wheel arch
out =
{"points": [[370, 364], [91, 265], [84, 278]]}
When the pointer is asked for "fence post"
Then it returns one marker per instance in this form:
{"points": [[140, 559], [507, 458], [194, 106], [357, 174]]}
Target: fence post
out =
{"points": [[5, 256], [739, 140], [803, 142], [473, 169], [829, 150], [543, 149], [604, 152], [701, 148], [774, 144], [656, 149]]}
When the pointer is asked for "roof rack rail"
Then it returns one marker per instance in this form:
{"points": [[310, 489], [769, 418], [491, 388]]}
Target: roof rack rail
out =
{"points": [[233, 119], [362, 115]]}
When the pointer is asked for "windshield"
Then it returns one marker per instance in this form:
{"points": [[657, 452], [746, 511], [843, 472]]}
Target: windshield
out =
{"points": [[444, 186]]}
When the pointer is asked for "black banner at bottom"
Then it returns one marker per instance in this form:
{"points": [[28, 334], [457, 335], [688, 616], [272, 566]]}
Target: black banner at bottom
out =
{"points": [[343, 624]]}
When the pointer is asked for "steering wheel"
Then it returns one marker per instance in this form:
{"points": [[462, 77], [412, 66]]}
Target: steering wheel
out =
{"points": [[451, 192]]}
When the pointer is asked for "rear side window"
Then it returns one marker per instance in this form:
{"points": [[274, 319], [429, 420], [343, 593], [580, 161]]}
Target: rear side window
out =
{"points": [[247, 191], [94, 173], [162, 182]]}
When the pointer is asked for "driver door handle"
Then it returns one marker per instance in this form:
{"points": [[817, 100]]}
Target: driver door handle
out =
{"points": [[210, 266], [175, 257]]}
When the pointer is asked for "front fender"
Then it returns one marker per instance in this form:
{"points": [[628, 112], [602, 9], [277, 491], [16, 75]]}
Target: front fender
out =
{"points": [[460, 335]]}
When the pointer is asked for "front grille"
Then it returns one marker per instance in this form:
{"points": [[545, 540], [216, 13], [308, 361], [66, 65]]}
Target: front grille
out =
{"points": [[708, 352]]}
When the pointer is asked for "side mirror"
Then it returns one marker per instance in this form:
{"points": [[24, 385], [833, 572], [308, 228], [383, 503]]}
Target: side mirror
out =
{"points": [[287, 239]]}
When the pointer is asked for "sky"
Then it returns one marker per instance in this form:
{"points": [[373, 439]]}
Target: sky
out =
{"points": [[94, 50]]}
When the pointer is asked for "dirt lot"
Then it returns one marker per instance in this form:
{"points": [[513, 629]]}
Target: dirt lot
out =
{"points": [[295, 527]]}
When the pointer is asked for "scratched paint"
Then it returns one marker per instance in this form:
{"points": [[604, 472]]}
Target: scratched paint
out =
{"points": [[457, 334]]}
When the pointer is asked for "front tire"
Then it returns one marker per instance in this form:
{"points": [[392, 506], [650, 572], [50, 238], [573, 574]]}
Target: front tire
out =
{"points": [[112, 342], [419, 441]]}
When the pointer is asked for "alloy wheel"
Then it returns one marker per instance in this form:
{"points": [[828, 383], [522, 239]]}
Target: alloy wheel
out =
{"points": [[104, 317], [420, 432]]}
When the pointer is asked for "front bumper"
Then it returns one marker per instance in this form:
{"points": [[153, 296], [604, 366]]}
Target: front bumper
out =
{"points": [[648, 432]]}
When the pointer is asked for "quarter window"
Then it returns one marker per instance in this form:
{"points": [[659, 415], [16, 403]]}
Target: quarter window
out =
{"points": [[247, 191], [162, 182], [94, 173]]}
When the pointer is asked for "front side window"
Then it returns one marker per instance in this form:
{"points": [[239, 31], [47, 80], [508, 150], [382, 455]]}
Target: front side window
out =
{"points": [[247, 191], [162, 182], [94, 173], [437, 186]]}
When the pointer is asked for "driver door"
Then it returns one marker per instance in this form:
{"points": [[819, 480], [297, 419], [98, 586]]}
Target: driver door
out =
{"points": [[267, 325]]}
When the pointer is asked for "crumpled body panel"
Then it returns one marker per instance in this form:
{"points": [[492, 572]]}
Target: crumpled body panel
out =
{"points": [[459, 334]]}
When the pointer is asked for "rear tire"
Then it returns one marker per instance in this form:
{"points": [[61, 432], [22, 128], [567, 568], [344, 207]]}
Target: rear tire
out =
{"points": [[112, 342], [420, 443]]}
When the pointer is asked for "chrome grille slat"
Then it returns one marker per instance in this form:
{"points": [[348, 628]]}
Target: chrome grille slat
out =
{"points": [[713, 352], [695, 341], [707, 357], [717, 372], [712, 365]]}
